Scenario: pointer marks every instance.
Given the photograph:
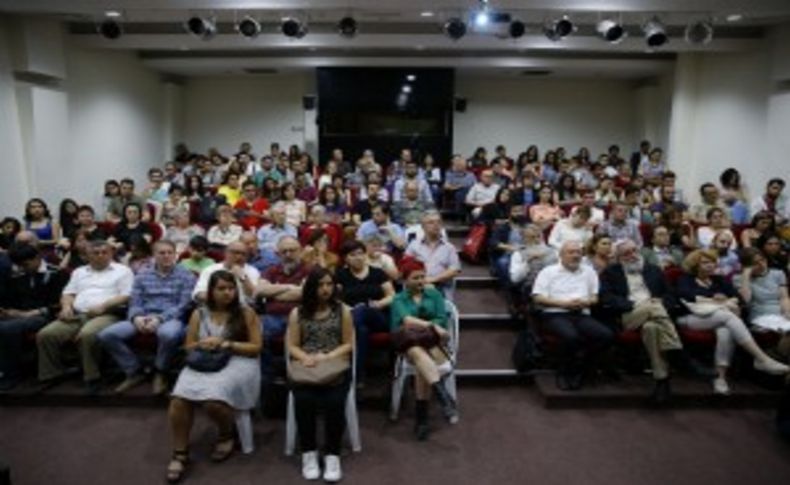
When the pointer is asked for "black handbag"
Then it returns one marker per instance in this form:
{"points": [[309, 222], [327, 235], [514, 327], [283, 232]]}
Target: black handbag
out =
{"points": [[203, 360]]}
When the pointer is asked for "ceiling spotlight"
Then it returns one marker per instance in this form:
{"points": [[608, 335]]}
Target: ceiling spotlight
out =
{"points": [[655, 33], [735, 17], [699, 32], [248, 27], [411, 78], [109, 29], [611, 31], [292, 27], [558, 28], [481, 18], [347, 27], [455, 28], [406, 88], [517, 29], [201, 27], [114, 14], [427, 13]]}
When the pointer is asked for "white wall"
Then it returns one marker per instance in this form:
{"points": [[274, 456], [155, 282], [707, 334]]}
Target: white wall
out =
{"points": [[223, 112], [548, 113], [14, 188]]}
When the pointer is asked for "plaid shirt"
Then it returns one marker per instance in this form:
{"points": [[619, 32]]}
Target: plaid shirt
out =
{"points": [[166, 295]]}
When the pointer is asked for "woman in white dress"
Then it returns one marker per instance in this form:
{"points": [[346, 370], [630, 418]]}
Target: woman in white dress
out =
{"points": [[222, 324]]}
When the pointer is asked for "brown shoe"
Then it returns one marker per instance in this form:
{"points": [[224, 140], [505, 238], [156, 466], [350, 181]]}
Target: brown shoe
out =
{"points": [[130, 382], [160, 384]]}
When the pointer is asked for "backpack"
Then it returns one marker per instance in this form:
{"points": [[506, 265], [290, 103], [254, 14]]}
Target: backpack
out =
{"points": [[527, 352]]}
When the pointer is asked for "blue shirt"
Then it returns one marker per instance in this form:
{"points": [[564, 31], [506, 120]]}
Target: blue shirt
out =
{"points": [[269, 236], [369, 228], [166, 295], [459, 179]]}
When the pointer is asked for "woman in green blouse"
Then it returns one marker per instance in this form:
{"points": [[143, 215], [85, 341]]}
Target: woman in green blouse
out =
{"points": [[420, 307]]}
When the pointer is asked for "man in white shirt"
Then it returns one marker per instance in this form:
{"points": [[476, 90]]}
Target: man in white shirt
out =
{"points": [[566, 291], [91, 302], [482, 193], [236, 262], [573, 228]]}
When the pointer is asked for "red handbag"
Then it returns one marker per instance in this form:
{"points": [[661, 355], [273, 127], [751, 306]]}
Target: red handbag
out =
{"points": [[475, 243]]}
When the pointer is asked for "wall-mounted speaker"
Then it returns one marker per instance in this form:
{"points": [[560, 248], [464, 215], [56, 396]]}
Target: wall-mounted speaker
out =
{"points": [[308, 102], [460, 104]]}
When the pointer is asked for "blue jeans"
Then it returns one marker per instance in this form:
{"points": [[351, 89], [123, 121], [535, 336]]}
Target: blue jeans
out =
{"points": [[12, 338], [367, 320], [501, 266], [273, 329], [169, 337]]}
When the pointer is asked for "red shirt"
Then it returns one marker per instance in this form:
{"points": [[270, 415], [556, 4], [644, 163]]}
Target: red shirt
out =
{"points": [[259, 205], [277, 276], [333, 232]]}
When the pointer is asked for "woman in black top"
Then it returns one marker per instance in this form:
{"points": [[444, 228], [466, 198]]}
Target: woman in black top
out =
{"points": [[498, 211], [369, 292], [130, 225], [713, 305]]}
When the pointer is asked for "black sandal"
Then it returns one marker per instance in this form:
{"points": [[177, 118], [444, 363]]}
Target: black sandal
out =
{"points": [[224, 447], [181, 458]]}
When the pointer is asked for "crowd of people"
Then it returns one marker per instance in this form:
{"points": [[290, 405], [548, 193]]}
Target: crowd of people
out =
{"points": [[235, 261]]}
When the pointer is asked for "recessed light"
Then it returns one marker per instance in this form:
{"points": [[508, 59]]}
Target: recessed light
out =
{"points": [[406, 88], [112, 14], [426, 14], [411, 77], [736, 17]]}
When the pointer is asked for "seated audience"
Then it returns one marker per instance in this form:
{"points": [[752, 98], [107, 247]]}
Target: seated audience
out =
{"points": [[711, 303], [270, 234], [762, 223], [230, 188], [729, 263], [295, 209], [438, 255], [573, 228], [409, 209], [716, 223], [599, 252], [619, 227], [305, 191], [28, 301], [771, 246], [139, 255], [565, 292], [319, 332], [481, 193], [700, 213], [225, 231], [369, 292], [86, 221], [161, 295], [661, 253], [636, 292], [112, 189], [597, 215], [316, 251], [667, 200], [77, 253], [38, 220], [392, 234], [235, 262], [457, 182], [182, 231], [734, 194], [773, 201], [764, 290], [378, 257], [131, 225], [418, 320], [67, 217], [545, 211], [222, 324], [364, 208], [157, 190], [681, 232], [527, 261], [411, 173], [505, 239], [335, 206], [567, 195], [318, 219], [90, 303], [251, 210], [176, 202], [117, 207], [498, 212], [197, 260]]}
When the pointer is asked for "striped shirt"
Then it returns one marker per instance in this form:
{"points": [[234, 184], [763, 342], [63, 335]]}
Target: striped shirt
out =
{"points": [[165, 295]]}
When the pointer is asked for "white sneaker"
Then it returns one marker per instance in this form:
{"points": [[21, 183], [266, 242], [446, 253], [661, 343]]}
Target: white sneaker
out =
{"points": [[310, 468], [332, 471], [771, 366], [720, 386]]}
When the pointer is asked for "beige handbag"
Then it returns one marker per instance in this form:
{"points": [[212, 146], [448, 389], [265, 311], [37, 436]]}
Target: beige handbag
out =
{"points": [[326, 372]]}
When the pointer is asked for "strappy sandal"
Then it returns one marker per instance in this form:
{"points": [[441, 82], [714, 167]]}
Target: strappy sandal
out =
{"points": [[177, 468], [223, 448]]}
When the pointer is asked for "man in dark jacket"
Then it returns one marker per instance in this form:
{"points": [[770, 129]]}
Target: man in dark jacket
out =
{"points": [[29, 302], [637, 293]]}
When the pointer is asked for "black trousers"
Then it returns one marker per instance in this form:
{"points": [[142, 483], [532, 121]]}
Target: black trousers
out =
{"points": [[582, 338], [308, 400]]}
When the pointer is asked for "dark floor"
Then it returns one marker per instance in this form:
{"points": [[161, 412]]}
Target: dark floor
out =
{"points": [[505, 436]]}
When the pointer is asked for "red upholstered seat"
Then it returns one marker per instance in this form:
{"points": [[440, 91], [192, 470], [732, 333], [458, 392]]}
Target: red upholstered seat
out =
{"points": [[697, 337], [629, 337], [379, 340]]}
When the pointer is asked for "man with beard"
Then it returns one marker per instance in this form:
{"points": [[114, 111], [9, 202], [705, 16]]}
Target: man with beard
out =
{"points": [[638, 293]]}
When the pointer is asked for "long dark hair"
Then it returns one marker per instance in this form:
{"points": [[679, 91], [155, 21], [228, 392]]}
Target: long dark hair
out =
{"points": [[28, 217], [310, 302], [235, 329]]}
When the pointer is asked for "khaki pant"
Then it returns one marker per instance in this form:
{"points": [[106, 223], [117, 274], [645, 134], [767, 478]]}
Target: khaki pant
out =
{"points": [[658, 333], [84, 330]]}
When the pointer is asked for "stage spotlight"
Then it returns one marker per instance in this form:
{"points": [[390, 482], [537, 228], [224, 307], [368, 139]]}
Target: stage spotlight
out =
{"points": [[699, 32], [611, 31], [558, 28], [292, 27], [201, 27], [110, 29], [517, 29], [455, 28], [655, 33], [347, 27], [248, 27]]}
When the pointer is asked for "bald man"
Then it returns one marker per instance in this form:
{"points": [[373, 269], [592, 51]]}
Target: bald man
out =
{"points": [[566, 291]]}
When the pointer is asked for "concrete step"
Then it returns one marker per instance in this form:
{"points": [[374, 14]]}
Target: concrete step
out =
{"points": [[632, 391], [482, 307]]}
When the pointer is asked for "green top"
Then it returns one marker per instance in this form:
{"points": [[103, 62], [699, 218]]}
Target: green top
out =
{"points": [[196, 266], [430, 308]]}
